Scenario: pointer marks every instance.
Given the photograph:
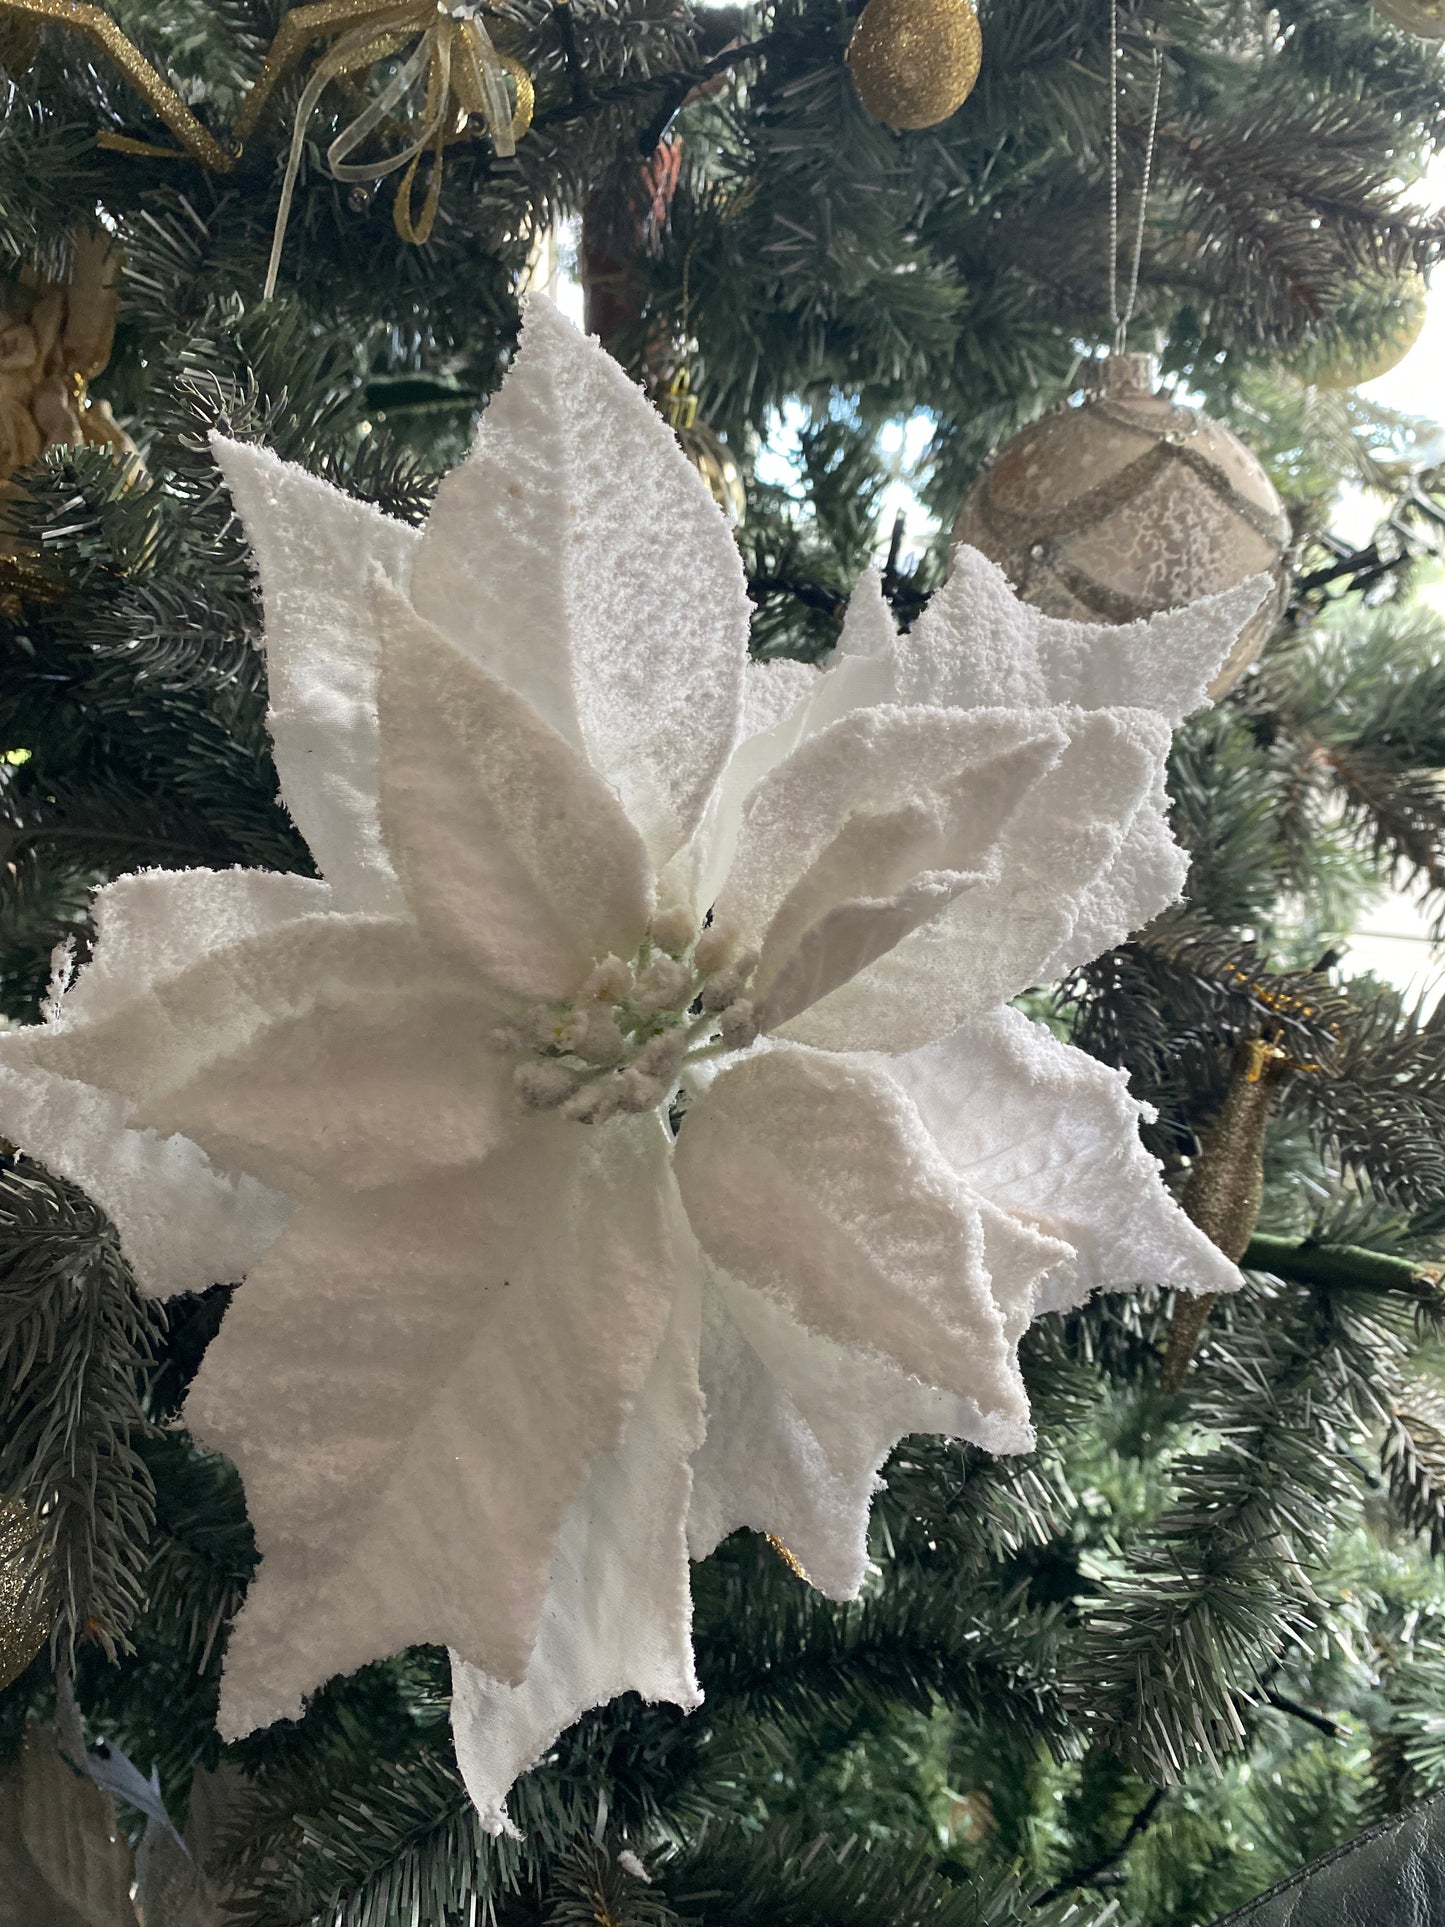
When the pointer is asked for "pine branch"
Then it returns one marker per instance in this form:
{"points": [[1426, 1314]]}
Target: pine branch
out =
{"points": [[75, 1336]]}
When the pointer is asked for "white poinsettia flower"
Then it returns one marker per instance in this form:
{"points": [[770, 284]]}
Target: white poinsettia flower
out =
{"points": [[509, 1340]]}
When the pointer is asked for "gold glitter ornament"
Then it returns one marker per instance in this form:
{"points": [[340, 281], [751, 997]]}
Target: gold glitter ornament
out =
{"points": [[1129, 504], [914, 62], [24, 1605], [1403, 324], [1423, 18], [1225, 1188], [706, 450]]}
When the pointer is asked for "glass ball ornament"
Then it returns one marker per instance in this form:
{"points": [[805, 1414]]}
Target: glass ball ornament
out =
{"points": [[1129, 504], [24, 1605], [1423, 18], [914, 62]]}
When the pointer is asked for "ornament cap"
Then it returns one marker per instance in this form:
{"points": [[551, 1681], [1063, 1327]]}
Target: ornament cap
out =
{"points": [[1121, 375]]}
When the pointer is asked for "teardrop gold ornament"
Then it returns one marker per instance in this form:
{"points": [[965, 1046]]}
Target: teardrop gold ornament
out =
{"points": [[914, 62]]}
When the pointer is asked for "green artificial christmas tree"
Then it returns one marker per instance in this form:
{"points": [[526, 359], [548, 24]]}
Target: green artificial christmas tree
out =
{"points": [[1134, 1635]]}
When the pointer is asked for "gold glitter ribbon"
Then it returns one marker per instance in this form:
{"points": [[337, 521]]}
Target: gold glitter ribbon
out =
{"points": [[162, 99], [464, 74]]}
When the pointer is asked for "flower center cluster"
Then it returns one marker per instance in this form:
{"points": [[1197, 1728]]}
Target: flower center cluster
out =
{"points": [[621, 1043]]}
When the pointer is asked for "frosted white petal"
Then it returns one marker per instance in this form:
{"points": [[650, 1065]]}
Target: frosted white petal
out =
{"points": [[180, 1027], [866, 808], [455, 1349], [813, 1179], [512, 850], [783, 703], [1146, 873], [625, 630], [798, 1427], [359, 1091], [152, 925], [772, 692], [617, 1617], [183, 1225], [1002, 936], [315, 549], [977, 643], [1051, 1137]]}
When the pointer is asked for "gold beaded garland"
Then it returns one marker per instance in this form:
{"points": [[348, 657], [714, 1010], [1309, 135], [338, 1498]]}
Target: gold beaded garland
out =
{"points": [[24, 1609], [914, 62]]}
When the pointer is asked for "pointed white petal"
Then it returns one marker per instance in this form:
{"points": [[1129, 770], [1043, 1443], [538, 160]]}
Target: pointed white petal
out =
{"points": [[978, 643], [366, 1091], [812, 1179], [578, 556], [783, 703], [1000, 937], [618, 1613], [877, 818], [315, 549], [458, 1349], [180, 1027], [1146, 873], [183, 1225], [798, 1427], [1051, 1137], [153, 925], [512, 850]]}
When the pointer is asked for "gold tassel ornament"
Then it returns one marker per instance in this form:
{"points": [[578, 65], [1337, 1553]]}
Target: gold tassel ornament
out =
{"points": [[1225, 1188], [55, 336]]}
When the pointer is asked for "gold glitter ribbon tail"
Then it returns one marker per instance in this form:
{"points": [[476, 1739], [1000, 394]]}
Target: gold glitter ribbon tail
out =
{"points": [[162, 99]]}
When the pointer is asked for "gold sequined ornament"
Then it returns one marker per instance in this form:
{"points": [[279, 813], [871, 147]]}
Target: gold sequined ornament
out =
{"points": [[914, 62], [1128, 504], [24, 1605], [1423, 18]]}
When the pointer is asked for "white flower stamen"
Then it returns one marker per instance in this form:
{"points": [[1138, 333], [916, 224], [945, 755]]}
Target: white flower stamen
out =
{"points": [[620, 1045]]}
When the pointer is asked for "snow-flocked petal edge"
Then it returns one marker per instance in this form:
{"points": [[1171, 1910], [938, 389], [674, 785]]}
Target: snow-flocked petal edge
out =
{"points": [[1050, 1136], [183, 1225], [617, 1617], [625, 627], [458, 1348], [978, 643], [798, 1427], [315, 549]]}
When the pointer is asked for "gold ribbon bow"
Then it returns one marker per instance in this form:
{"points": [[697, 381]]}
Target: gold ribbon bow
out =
{"points": [[464, 74]]}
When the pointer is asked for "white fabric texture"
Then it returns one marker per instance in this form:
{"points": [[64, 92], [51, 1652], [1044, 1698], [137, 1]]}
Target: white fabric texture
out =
{"points": [[617, 1616], [627, 634], [504, 1340]]}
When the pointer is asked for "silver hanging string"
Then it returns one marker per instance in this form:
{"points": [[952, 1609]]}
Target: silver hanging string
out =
{"points": [[1121, 319]]}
